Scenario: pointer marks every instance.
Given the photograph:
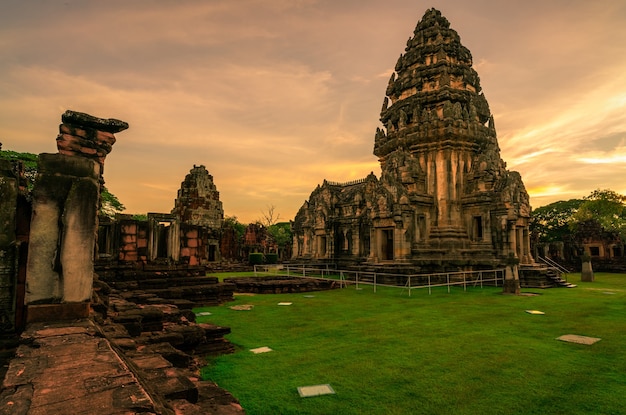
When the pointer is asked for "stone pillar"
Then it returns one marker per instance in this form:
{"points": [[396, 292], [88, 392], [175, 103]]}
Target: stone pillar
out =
{"points": [[511, 276], [513, 240], [519, 242], [586, 273], [64, 223], [528, 257]]}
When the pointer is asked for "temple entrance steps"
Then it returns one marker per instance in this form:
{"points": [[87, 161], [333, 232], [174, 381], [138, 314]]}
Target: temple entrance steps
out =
{"points": [[556, 271], [542, 276], [555, 275]]}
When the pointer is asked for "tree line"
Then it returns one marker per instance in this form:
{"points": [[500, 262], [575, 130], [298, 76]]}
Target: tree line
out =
{"points": [[601, 209]]}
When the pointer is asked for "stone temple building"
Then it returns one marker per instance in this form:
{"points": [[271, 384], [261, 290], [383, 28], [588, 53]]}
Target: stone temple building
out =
{"points": [[445, 200]]}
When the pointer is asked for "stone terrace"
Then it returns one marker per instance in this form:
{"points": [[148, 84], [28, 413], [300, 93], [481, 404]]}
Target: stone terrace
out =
{"points": [[80, 367]]}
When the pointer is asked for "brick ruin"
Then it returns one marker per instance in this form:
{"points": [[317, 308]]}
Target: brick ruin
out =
{"points": [[188, 236], [445, 200], [48, 240]]}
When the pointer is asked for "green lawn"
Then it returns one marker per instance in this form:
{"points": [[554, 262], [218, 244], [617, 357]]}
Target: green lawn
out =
{"points": [[467, 352]]}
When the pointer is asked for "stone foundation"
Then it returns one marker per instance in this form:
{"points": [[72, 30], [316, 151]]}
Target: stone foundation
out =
{"points": [[279, 285]]}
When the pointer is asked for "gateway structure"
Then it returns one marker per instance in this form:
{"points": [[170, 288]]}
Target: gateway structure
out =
{"points": [[445, 199]]}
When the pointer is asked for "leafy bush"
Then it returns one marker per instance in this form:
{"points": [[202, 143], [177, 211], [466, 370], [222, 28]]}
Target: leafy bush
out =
{"points": [[255, 258], [271, 258]]}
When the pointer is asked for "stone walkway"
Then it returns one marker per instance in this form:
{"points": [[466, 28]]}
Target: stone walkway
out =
{"points": [[70, 368], [62, 369]]}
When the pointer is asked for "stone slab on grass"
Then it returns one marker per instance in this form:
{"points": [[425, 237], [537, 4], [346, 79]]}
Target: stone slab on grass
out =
{"points": [[315, 390], [242, 307], [285, 303], [263, 349], [575, 338], [535, 312]]}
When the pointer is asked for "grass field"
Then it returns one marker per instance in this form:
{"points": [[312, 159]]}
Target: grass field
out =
{"points": [[464, 352]]}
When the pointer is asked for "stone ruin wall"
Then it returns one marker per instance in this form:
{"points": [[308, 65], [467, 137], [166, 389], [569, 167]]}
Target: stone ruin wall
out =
{"points": [[49, 289], [15, 214], [188, 236]]}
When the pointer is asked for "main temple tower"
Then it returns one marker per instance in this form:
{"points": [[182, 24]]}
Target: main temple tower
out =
{"points": [[445, 198]]}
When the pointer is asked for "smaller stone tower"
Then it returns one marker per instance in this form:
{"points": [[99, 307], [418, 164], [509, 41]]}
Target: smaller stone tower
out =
{"points": [[198, 204]]}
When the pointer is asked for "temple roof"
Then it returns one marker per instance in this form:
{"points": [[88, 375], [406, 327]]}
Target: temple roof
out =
{"points": [[433, 85]]}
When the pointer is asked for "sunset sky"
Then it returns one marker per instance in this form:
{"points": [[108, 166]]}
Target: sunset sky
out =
{"points": [[274, 96]]}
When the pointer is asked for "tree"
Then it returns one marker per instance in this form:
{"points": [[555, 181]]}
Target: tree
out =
{"points": [[29, 162], [551, 223], [110, 203], [607, 208], [269, 217], [281, 233], [238, 227]]}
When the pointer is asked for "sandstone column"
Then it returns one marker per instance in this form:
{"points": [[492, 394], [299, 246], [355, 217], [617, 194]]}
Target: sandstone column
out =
{"points": [[64, 220], [586, 273]]}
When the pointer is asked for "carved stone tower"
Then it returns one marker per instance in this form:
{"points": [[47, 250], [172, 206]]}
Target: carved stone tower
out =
{"points": [[445, 198], [198, 204], [198, 201]]}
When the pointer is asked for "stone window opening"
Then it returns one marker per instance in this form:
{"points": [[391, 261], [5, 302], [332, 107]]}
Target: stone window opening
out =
{"points": [[386, 244], [163, 235], [594, 250], [477, 228]]}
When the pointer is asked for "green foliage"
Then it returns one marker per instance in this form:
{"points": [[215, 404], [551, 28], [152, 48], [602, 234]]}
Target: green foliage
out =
{"points": [[29, 161], [110, 204], [233, 222], [550, 223], [474, 352], [140, 216], [281, 233], [271, 258], [607, 208], [255, 258]]}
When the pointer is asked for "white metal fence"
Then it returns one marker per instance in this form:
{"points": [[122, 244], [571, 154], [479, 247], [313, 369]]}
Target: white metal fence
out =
{"points": [[407, 282]]}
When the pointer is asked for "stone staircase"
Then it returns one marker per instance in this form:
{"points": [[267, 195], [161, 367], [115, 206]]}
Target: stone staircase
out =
{"points": [[542, 276], [555, 275]]}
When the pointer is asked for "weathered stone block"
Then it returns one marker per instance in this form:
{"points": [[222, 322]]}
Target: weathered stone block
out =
{"points": [[129, 228]]}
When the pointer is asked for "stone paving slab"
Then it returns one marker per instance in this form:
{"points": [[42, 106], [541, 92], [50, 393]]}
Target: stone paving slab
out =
{"points": [[67, 369], [575, 338], [315, 390]]}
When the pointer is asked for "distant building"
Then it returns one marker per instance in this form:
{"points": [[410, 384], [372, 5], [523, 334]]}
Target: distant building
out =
{"points": [[189, 235]]}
